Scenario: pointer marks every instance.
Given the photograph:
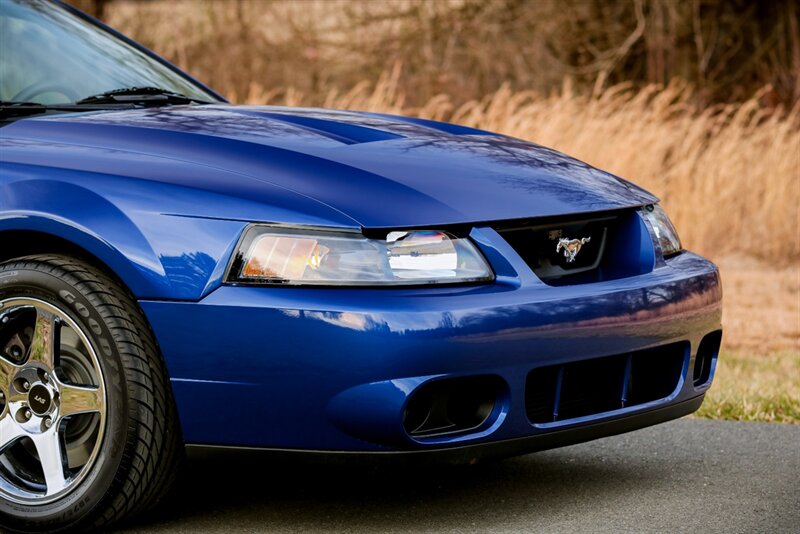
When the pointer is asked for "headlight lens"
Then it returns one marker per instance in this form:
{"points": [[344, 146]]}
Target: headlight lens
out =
{"points": [[665, 231], [269, 255]]}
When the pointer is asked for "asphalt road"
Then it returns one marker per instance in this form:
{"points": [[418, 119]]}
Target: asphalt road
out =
{"points": [[684, 476]]}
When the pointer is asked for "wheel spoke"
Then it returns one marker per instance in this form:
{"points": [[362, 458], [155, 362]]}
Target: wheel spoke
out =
{"points": [[9, 432], [50, 449], [45, 339], [77, 399]]}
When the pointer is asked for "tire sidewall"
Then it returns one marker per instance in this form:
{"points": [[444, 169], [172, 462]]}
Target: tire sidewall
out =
{"points": [[76, 506]]}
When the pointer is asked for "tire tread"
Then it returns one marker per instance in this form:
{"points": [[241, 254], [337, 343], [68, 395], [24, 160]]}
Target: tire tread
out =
{"points": [[153, 453]]}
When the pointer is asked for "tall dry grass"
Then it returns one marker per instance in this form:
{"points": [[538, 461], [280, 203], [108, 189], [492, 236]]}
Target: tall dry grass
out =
{"points": [[729, 175], [468, 48]]}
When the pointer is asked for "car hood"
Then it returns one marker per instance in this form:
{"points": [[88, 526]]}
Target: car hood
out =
{"points": [[378, 170]]}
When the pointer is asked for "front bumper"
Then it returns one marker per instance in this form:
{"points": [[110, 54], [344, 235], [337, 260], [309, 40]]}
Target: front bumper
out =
{"points": [[472, 453], [333, 369]]}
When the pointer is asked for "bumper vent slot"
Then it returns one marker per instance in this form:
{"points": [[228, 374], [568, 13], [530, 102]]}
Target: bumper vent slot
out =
{"points": [[589, 387], [706, 357]]}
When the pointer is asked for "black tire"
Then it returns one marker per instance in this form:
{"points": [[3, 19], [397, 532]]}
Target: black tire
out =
{"points": [[141, 450]]}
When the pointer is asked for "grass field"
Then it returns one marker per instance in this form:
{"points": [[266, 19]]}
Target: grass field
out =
{"points": [[755, 387], [758, 372]]}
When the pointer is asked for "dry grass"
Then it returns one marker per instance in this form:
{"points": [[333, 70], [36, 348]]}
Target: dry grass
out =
{"points": [[758, 377], [468, 48], [761, 306], [758, 373]]}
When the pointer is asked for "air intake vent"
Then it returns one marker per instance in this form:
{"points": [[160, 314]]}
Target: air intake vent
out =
{"points": [[590, 387], [706, 357], [451, 406]]}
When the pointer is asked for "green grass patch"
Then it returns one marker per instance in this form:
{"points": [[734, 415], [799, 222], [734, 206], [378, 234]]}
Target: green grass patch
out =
{"points": [[750, 387]]}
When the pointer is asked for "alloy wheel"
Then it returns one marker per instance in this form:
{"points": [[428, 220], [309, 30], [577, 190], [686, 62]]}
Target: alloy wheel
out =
{"points": [[52, 402]]}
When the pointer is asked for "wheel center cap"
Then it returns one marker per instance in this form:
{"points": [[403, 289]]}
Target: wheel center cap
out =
{"points": [[40, 399]]}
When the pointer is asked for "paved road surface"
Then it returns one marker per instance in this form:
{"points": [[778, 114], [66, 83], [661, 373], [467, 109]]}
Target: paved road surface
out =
{"points": [[684, 476]]}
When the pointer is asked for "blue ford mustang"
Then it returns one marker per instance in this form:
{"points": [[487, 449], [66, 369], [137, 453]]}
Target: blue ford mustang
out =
{"points": [[176, 270]]}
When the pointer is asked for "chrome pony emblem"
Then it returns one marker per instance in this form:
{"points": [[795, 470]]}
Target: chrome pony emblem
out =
{"points": [[571, 247]]}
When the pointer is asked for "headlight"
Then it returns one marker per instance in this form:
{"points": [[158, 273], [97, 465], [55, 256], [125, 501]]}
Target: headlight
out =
{"points": [[269, 255], [665, 231]]}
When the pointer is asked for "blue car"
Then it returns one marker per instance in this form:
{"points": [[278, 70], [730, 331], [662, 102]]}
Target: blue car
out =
{"points": [[177, 271]]}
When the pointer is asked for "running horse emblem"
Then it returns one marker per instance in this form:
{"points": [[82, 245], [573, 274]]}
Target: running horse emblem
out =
{"points": [[571, 247]]}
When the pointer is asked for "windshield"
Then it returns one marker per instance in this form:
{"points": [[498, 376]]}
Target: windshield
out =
{"points": [[50, 56]]}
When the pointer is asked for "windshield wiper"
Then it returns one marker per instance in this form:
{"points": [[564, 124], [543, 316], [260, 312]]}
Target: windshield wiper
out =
{"points": [[149, 96], [125, 98], [21, 109]]}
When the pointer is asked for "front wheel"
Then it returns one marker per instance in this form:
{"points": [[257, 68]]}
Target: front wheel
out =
{"points": [[88, 429]]}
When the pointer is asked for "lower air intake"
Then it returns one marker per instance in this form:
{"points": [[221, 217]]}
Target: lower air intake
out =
{"points": [[590, 387], [451, 406], [706, 357]]}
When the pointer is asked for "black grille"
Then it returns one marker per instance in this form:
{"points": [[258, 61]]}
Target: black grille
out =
{"points": [[589, 387], [608, 246]]}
